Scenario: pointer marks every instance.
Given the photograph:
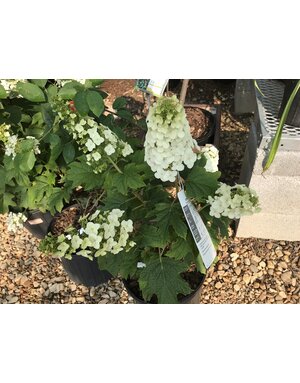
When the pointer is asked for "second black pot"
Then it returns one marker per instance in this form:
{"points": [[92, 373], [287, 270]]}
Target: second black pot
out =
{"points": [[40, 229], [84, 271]]}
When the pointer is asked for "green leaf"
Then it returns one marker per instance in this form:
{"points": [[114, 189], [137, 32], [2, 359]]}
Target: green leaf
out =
{"points": [[130, 178], [162, 278], [27, 162], [151, 236], [55, 146], [277, 138], [95, 102], [119, 103], [111, 263], [96, 82], [115, 201], [133, 179], [15, 113], [69, 152], [81, 174], [169, 214], [8, 201], [200, 183], [40, 83], [81, 104], [125, 114], [179, 249], [67, 93], [57, 199], [52, 91], [123, 263], [200, 265], [31, 92], [3, 93], [48, 116]]}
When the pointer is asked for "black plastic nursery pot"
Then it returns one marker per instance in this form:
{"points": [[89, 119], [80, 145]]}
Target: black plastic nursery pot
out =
{"points": [[213, 113], [192, 298], [84, 271], [38, 223]]}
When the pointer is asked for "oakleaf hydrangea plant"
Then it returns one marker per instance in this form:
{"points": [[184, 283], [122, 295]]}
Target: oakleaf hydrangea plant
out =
{"points": [[145, 185]]}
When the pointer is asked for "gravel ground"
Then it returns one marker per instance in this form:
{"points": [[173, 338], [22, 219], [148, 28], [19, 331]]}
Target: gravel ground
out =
{"points": [[248, 270]]}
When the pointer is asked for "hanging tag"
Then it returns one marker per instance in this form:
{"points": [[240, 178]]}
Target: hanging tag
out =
{"points": [[153, 87], [157, 87], [198, 229]]}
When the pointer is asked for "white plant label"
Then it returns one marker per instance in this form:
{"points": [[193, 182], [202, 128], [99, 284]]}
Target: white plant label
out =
{"points": [[198, 229], [156, 87]]}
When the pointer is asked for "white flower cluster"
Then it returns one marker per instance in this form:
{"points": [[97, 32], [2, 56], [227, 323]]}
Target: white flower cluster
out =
{"points": [[10, 86], [15, 221], [211, 154], [36, 148], [233, 201], [169, 144], [10, 142], [100, 233], [96, 140], [10, 146]]}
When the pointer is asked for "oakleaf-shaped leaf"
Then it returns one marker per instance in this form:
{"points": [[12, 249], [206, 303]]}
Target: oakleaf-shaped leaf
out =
{"points": [[57, 199], [200, 183], [115, 201], [151, 236], [162, 278], [170, 214], [81, 174], [8, 201], [130, 178], [179, 249]]}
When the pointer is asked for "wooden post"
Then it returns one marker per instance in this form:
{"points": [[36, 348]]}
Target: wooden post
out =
{"points": [[183, 91]]}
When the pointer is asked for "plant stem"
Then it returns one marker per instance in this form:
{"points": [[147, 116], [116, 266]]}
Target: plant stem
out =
{"points": [[204, 207], [45, 135], [115, 165], [139, 197]]}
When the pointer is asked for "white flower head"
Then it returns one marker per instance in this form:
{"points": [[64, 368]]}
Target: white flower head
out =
{"points": [[140, 265], [168, 144], [233, 202], [211, 154]]}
